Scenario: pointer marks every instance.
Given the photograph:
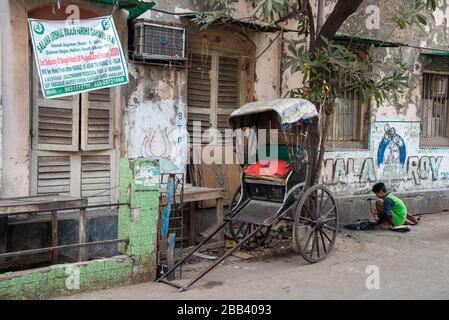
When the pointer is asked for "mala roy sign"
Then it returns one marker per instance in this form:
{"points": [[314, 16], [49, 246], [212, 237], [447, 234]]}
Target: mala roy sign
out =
{"points": [[79, 56]]}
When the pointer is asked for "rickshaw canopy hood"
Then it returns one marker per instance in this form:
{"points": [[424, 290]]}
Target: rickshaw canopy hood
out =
{"points": [[290, 111]]}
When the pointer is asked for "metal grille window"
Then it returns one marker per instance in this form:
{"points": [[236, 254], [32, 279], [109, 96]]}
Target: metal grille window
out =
{"points": [[156, 42], [434, 114], [163, 41]]}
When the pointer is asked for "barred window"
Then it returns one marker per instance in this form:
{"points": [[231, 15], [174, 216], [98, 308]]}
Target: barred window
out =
{"points": [[434, 114], [348, 126]]}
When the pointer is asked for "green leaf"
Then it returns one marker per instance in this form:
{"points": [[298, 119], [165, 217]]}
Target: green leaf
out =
{"points": [[422, 19]]}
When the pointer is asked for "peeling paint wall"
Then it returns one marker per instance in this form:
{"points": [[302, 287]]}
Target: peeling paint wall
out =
{"points": [[155, 117], [393, 157], [16, 92], [395, 154], [16, 114]]}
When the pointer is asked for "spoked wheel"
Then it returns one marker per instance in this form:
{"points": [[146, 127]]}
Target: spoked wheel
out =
{"points": [[316, 224], [235, 199], [234, 202], [238, 230]]}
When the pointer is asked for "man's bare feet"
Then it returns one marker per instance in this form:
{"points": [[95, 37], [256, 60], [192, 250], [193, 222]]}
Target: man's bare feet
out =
{"points": [[383, 226]]}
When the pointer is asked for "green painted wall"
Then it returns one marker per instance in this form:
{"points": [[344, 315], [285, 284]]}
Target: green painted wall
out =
{"points": [[139, 186]]}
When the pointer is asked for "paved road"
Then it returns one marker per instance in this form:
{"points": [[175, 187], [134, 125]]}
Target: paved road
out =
{"points": [[411, 265]]}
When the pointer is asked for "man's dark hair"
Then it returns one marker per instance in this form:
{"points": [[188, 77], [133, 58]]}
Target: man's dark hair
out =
{"points": [[378, 187]]}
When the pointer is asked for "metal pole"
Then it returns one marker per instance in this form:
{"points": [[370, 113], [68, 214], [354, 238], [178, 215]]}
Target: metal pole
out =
{"points": [[77, 245], [65, 209], [192, 252], [221, 259]]}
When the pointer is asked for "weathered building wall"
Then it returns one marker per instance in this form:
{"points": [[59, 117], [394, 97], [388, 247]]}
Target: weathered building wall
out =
{"points": [[16, 88], [15, 96], [137, 222], [395, 154], [156, 112], [155, 117]]}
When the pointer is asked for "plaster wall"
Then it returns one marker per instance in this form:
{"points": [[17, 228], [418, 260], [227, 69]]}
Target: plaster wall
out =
{"points": [[16, 93]]}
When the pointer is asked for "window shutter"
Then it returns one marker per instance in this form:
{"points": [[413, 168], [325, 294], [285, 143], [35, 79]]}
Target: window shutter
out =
{"points": [[97, 178], [199, 94], [228, 95], [53, 175], [55, 121], [96, 120]]}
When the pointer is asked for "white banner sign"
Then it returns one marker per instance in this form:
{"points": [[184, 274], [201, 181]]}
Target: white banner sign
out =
{"points": [[77, 57]]}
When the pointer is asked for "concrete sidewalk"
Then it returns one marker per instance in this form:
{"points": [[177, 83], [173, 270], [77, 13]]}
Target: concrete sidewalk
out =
{"points": [[412, 265]]}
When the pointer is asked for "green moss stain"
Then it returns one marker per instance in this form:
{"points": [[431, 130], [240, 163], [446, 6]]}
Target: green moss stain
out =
{"points": [[139, 186]]}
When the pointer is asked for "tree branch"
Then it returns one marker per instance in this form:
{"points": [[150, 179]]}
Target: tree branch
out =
{"points": [[288, 15], [311, 24], [342, 10]]}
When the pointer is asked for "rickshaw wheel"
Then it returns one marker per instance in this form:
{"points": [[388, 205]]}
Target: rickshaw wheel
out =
{"points": [[234, 201], [316, 224], [238, 230]]}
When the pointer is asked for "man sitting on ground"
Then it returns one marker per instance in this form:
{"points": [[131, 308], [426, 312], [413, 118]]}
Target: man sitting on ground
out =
{"points": [[390, 210]]}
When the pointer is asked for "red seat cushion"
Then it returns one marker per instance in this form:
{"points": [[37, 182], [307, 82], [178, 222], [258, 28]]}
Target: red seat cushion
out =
{"points": [[275, 168]]}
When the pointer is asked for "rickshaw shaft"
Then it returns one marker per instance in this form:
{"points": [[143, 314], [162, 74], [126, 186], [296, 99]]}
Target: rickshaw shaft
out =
{"points": [[192, 252], [227, 254]]}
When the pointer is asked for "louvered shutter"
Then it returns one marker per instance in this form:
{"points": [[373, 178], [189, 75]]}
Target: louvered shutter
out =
{"points": [[228, 95], [97, 178], [53, 175], [199, 94], [55, 121], [96, 120]]}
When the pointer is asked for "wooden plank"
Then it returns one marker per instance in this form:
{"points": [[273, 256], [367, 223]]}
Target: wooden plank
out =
{"points": [[54, 189], [243, 255], [192, 223], [95, 167], [54, 233], [97, 187], [211, 194], [90, 193], [219, 216], [95, 174], [205, 247], [40, 204], [102, 198], [87, 181], [55, 182], [3, 234], [225, 176], [82, 254]]}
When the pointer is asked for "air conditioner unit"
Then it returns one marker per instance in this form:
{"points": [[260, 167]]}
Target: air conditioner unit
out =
{"points": [[152, 41]]}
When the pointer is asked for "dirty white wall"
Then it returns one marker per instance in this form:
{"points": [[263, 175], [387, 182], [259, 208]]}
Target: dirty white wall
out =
{"points": [[15, 100], [156, 108], [394, 154], [16, 109], [4, 15], [155, 117]]}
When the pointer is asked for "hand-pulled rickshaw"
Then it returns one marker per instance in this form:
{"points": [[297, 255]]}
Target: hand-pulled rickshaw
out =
{"points": [[273, 187]]}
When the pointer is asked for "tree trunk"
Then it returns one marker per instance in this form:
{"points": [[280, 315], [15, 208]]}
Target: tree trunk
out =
{"points": [[342, 10], [316, 173]]}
